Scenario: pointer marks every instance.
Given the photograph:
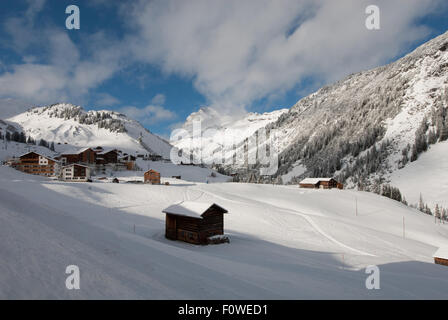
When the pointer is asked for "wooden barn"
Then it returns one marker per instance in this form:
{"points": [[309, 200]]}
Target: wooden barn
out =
{"points": [[194, 222], [320, 183], [35, 163], [152, 177], [441, 256], [75, 172]]}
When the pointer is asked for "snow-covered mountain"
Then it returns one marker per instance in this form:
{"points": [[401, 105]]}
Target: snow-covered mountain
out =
{"points": [[336, 129], [370, 125], [222, 132], [67, 126]]}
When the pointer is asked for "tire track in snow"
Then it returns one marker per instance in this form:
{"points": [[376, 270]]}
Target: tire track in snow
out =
{"points": [[305, 216]]}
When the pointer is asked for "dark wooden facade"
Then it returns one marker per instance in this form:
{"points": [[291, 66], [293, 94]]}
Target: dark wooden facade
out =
{"points": [[441, 261], [152, 177], [75, 172], [322, 184], [195, 230], [81, 172], [34, 163], [328, 184], [110, 156], [85, 156], [309, 185]]}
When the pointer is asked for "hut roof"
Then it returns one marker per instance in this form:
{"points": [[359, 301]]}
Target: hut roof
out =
{"points": [[75, 165], [106, 151], [72, 151], [441, 253], [193, 209], [39, 154], [314, 180]]}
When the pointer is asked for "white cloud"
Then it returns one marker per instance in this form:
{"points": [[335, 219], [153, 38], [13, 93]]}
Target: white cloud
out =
{"points": [[152, 113], [58, 72], [10, 107], [105, 99], [239, 51], [234, 51]]}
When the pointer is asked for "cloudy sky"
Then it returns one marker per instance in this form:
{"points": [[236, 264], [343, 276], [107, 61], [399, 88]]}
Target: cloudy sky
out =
{"points": [[160, 60]]}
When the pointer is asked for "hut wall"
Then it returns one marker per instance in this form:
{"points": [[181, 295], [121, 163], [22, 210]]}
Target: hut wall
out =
{"points": [[441, 261]]}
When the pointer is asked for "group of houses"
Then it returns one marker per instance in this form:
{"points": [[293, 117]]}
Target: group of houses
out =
{"points": [[73, 165], [77, 165]]}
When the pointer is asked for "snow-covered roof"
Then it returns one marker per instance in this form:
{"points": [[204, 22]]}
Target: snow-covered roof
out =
{"points": [[104, 151], [39, 154], [314, 180], [441, 253], [75, 164], [192, 209], [74, 151]]}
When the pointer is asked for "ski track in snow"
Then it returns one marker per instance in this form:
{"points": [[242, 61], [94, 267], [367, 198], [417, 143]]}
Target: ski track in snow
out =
{"points": [[305, 216]]}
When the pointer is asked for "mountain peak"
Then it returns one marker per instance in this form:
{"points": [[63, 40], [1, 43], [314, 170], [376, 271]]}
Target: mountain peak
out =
{"points": [[68, 124]]}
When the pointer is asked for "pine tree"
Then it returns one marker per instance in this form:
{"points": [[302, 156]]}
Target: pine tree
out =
{"points": [[421, 205], [437, 211]]}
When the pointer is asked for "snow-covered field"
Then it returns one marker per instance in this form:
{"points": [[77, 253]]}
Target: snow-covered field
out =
{"points": [[286, 243]]}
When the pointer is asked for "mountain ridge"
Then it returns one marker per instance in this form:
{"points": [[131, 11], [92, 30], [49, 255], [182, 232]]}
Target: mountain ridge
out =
{"points": [[70, 125]]}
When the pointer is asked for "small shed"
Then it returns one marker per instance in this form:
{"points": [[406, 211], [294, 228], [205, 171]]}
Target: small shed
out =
{"points": [[194, 222], [441, 256], [320, 183], [152, 177]]}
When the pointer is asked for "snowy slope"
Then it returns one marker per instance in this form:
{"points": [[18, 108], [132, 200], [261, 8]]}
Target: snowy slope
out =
{"points": [[286, 243], [426, 176], [61, 123]]}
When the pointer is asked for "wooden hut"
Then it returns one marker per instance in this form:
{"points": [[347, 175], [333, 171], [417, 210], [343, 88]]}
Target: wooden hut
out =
{"points": [[320, 183], [441, 256], [194, 222], [152, 177]]}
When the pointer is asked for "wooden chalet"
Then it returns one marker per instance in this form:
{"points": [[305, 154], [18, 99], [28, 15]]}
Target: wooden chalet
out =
{"points": [[75, 172], [35, 163], [152, 177], [320, 183], [85, 156], [441, 256], [105, 157], [194, 222]]}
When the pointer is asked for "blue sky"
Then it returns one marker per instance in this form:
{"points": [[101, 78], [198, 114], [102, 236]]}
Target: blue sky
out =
{"points": [[158, 61]]}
